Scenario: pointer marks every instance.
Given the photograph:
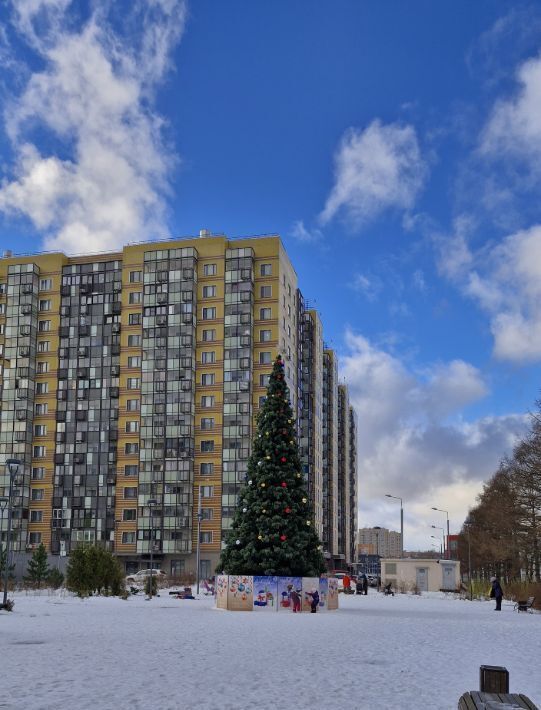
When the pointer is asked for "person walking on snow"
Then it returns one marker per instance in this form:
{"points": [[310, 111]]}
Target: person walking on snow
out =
{"points": [[496, 593], [296, 599]]}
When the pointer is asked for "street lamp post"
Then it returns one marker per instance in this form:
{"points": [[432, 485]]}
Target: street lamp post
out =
{"points": [[440, 540], [467, 524], [12, 466], [388, 495], [198, 556], [151, 503], [447, 548]]}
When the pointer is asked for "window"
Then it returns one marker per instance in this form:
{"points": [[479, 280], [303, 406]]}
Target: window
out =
{"points": [[129, 514], [135, 297], [265, 314], [42, 387], [266, 291], [209, 291], [133, 405], [39, 452], [45, 284], [134, 319], [206, 513], [206, 536], [206, 491], [45, 305], [207, 423], [207, 446], [177, 568], [207, 358], [44, 326], [390, 567], [266, 270], [42, 367], [209, 335], [136, 277], [206, 469], [132, 427], [262, 401], [34, 538], [133, 383], [207, 401], [207, 379], [208, 313], [130, 493], [44, 346], [134, 361], [128, 538], [264, 358], [40, 430], [38, 473], [264, 380], [264, 336], [131, 470], [209, 269], [131, 448], [38, 494], [134, 341], [41, 408], [2, 309], [36, 516]]}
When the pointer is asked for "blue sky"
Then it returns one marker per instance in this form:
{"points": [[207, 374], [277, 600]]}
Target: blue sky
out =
{"points": [[395, 148]]}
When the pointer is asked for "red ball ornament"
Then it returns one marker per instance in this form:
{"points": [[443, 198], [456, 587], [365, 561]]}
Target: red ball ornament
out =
{"points": [[287, 510], [284, 484], [283, 537], [283, 459]]}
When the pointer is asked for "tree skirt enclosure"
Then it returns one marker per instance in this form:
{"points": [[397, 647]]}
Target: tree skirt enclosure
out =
{"points": [[258, 593]]}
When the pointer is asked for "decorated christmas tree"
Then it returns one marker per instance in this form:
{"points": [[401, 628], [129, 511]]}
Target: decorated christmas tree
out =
{"points": [[273, 529]]}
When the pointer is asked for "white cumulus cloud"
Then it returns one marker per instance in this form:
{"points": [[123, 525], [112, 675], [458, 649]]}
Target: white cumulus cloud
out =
{"points": [[93, 96], [413, 441], [378, 168]]}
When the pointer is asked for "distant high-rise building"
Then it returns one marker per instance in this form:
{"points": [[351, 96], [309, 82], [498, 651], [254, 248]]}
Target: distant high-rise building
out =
{"points": [[347, 478], [135, 377], [379, 541]]}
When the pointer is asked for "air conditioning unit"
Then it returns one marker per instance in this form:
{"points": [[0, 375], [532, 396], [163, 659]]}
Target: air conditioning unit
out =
{"points": [[26, 309], [24, 352], [162, 298], [27, 288], [161, 320], [116, 328]]}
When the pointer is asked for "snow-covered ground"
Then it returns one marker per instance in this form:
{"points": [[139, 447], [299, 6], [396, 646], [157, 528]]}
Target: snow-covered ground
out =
{"points": [[376, 652]]}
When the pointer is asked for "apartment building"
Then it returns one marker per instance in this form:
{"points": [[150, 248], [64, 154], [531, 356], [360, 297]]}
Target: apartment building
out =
{"points": [[347, 478], [330, 455], [379, 541], [130, 383]]}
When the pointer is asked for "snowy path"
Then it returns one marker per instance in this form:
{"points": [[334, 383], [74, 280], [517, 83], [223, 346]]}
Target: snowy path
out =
{"points": [[375, 652]]}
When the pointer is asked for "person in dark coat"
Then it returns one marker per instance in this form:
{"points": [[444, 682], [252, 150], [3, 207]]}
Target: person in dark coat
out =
{"points": [[496, 593], [314, 603], [365, 584]]}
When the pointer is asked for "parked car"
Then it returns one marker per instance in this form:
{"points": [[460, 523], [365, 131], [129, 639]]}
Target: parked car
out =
{"points": [[141, 576]]}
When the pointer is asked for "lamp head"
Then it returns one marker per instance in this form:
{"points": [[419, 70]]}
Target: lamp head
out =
{"points": [[13, 466], [435, 509]]}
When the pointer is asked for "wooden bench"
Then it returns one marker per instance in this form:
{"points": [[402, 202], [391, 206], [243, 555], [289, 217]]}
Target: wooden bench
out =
{"points": [[475, 700], [525, 605]]}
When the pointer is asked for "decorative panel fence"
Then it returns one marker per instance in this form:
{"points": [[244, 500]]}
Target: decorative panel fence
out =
{"points": [[278, 594]]}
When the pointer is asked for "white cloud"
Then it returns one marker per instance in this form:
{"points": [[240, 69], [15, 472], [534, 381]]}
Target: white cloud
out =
{"points": [[505, 281], [514, 127], [412, 440], [94, 97], [369, 286], [375, 169], [302, 234]]}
